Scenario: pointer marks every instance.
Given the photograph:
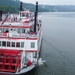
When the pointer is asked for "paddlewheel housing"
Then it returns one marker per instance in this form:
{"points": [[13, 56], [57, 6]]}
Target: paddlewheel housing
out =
{"points": [[10, 60]]}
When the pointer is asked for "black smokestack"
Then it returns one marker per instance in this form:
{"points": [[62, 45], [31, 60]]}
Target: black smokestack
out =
{"points": [[36, 13], [0, 15], [35, 22], [36, 8], [21, 6]]}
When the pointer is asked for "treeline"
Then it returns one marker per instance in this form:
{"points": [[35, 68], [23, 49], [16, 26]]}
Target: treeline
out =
{"points": [[58, 8], [13, 6], [9, 6], [7, 9]]}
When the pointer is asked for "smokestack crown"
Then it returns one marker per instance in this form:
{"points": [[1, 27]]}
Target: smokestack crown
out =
{"points": [[21, 6]]}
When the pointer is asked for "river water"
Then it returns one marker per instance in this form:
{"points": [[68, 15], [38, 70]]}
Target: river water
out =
{"points": [[58, 46]]}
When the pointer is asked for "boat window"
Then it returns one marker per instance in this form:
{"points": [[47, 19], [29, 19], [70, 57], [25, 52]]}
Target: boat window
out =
{"points": [[22, 44], [8, 44], [3, 43], [32, 44], [14, 29], [5, 29], [23, 15], [2, 30], [13, 44], [23, 30], [35, 54], [19, 30], [17, 44], [27, 15], [11, 29], [0, 43]]}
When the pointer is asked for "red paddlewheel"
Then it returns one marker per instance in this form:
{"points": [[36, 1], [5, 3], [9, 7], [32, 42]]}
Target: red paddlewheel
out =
{"points": [[9, 60]]}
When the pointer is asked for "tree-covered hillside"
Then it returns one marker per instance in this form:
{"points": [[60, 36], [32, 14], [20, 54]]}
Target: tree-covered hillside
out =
{"points": [[59, 8], [9, 5], [13, 6]]}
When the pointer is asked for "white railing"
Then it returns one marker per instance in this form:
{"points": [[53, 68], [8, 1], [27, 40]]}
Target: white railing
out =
{"points": [[18, 35]]}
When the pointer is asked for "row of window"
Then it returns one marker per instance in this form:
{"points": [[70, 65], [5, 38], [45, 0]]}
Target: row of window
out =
{"points": [[11, 44], [25, 15], [15, 44], [19, 30]]}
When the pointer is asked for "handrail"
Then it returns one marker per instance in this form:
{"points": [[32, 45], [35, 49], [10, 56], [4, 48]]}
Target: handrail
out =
{"points": [[4, 20]]}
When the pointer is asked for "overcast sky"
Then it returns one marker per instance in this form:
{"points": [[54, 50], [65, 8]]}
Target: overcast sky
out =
{"points": [[52, 2]]}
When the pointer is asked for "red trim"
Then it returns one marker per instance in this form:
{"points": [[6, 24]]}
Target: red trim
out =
{"points": [[11, 38], [18, 38], [26, 26], [31, 50], [31, 38], [26, 21]]}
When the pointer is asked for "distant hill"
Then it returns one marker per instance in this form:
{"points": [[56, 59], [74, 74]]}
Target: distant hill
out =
{"points": [[58, 8], [9, 5], [12, 6]]}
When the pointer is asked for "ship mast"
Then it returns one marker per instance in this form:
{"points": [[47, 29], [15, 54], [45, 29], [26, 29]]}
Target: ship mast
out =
{"points": [[21, 6], [36, 13]]}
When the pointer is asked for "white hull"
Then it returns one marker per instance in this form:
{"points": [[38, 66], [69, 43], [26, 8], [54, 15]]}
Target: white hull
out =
{"points": [[28, 68], [24, 70]]}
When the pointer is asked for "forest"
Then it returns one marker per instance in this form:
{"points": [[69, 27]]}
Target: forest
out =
{"points": [[13, 6]]}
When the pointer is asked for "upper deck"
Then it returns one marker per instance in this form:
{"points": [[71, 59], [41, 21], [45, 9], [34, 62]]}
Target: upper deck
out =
{"points": [[20, 32], [19, 28], [19, 25]]}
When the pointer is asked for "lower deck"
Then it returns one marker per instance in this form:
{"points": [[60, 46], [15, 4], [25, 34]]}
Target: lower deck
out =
{"points": [[16, 61]]}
